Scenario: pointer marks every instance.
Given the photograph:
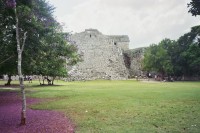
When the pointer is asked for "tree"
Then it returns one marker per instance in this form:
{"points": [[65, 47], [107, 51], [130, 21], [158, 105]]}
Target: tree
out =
{"points": [[180, 58], [53, 60], [36, 18], [8, 53], [185, 52], [46, 44], [158, 59], [183, 49], [32, 23], [20, 48], [194, 6], [193, 57]]}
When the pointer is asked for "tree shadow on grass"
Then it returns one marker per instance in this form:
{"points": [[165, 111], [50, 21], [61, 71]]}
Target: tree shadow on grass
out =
{"points": [[16, 87], [10, 86], [44, 85]]}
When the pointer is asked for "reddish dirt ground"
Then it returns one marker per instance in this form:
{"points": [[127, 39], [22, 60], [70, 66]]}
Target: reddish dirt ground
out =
{"points": [[38, 121]]}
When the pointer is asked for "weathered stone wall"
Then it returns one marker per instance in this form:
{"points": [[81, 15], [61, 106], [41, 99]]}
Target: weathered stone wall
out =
{"points": [[102, 56], [135, 57], [122, 41]]}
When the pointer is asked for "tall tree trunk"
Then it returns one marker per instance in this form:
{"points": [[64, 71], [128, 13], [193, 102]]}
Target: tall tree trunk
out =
{"points": [[21, 79], [43, 78], [39, 80], [53, 80], [9, 80]]}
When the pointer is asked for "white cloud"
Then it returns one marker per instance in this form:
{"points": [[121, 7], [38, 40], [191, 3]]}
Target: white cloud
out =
{"points": [[145, 21]]}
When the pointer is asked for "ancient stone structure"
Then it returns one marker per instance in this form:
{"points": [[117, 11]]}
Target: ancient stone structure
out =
{"points": [[102, 56], [134, 58]]}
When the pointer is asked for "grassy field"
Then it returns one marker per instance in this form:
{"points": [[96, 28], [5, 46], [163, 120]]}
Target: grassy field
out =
{"points": [[124, 106]]}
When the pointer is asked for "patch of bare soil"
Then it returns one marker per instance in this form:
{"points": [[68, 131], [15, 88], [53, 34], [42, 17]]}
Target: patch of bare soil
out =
{"points": [[10, 86], [38, 121]]}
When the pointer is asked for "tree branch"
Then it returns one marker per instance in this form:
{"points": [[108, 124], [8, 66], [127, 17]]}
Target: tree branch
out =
{"points": [[24, 40], [7, 59]]}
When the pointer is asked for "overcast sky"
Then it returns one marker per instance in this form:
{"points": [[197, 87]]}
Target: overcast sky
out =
{"points": [[144, 21]]}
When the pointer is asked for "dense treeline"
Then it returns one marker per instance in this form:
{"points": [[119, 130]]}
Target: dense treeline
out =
{"points": [[32, 42], [178, 58], [45, 50]]}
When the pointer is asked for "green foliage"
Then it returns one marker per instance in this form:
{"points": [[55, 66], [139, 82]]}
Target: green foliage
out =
{"points": [[179, 57], [45, 50], [52, 56], [192, 55], [8, 52], [157, 58], [194, 6], [185, 52]]}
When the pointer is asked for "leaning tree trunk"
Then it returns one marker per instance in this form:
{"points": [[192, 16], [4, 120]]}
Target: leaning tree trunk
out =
{"points": [[21, 79]]}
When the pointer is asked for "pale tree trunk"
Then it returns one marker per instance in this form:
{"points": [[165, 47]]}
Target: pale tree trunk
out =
{"points": [[39, 80], [21, 79], [43, 78]]}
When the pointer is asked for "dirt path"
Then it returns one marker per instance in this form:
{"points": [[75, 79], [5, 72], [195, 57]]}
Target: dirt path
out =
{"points": [[38, 121]]}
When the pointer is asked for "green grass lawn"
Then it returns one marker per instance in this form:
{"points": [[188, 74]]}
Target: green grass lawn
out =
{"points": [[124, 106]]}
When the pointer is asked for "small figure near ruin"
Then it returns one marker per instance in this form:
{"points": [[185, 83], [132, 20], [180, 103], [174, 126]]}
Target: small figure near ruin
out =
{"points": [[155, 77], [136, 78]]}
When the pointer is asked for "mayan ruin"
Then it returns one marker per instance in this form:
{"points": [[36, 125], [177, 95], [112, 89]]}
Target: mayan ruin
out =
{"points": [[103, 56]]}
